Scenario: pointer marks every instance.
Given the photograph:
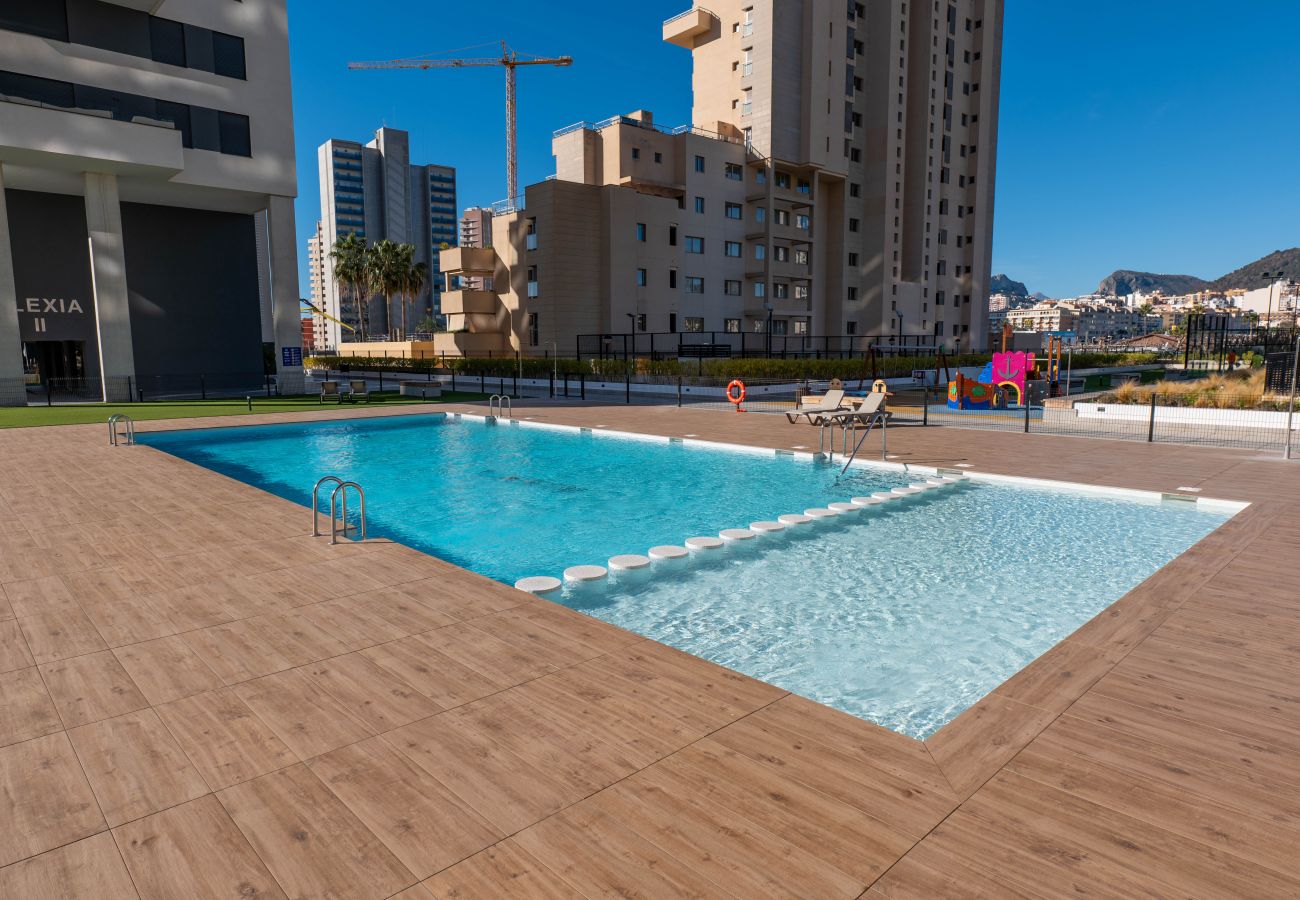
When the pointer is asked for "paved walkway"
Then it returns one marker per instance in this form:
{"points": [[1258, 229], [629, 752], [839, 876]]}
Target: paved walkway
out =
{"points": [[198, 700]]}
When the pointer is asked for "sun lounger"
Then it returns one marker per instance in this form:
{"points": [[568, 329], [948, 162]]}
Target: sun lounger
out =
{"points": [[832, 402], [872, 406], [329, 390], [357, 390]]}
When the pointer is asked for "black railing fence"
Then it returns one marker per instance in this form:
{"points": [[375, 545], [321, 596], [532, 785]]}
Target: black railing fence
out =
{"points": [[656, 345], [134, 389]]}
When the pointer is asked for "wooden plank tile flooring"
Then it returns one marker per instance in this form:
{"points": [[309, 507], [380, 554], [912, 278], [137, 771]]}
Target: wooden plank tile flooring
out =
{"points": [[198, 700]]}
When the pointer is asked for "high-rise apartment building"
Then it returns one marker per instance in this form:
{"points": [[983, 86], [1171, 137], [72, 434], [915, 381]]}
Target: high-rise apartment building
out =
{"points": [[373, 191], [146, 194], [886, 111], [316, 254]]}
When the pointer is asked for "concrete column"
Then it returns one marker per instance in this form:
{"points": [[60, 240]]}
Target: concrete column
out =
{"points": [[13, 390], [108, 280], [286, 312]]}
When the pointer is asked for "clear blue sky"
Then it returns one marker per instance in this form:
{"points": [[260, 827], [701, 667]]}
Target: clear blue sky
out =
{"points": [[1139, 135]]}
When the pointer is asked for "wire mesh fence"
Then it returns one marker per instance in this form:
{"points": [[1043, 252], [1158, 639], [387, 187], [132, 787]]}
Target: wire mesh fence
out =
{"points": [[51, 391]]}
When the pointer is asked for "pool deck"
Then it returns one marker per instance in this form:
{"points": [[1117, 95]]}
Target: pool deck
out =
{"points": [[199, 700]]}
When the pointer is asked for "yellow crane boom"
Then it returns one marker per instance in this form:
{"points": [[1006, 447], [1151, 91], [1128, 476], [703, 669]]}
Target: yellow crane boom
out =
{"points": [[509, 60]]}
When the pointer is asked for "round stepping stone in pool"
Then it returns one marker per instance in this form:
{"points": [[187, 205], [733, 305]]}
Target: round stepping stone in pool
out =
{"points": [[585, 573], [703, 543], [885, 496], [539, 584], [820, 513], [867, 501], [905, 491], [794, 519], [737, 534], [628, 561], [668, 551], [923, 486], [766, 527], [843, 507], [935, 482]]}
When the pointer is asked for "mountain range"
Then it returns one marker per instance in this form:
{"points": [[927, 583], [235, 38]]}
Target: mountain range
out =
{"points": [[1248, 277]]}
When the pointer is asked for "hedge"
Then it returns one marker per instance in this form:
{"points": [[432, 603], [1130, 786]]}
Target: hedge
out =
{"points": [[818, 369]]}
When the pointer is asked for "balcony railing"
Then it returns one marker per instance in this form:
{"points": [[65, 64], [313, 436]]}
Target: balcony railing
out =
{"points": [[685, 13]]}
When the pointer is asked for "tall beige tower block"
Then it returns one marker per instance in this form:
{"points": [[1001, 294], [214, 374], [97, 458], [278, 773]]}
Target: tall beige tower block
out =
{"points": [[873, 125]]}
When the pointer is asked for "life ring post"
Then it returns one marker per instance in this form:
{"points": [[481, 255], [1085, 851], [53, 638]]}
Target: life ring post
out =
{"points": [[736, 393]]}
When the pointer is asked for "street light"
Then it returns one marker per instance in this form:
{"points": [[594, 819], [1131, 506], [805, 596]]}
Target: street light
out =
{"points": [[1272, 278], [631, 330], [767, 305]]}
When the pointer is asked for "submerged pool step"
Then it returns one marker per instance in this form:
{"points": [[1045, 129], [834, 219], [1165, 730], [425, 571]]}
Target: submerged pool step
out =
{"points": [[704, 544]]}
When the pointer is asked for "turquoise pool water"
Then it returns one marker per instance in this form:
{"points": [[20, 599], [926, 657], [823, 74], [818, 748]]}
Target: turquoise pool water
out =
{"points": [[904, 615]]}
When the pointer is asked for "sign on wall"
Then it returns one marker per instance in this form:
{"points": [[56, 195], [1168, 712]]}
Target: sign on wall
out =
{"points": [[291, 356]]}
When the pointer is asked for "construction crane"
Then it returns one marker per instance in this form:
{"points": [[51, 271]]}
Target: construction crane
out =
{"points": [[509, 60]]}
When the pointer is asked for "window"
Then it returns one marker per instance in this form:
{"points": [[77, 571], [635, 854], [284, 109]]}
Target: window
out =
{"points": [[731, 326], [530, 239], [781, 290], [853, 224], [760, 289], [802, 221], [732, 248], [672, 235], [672, 278], [640, 322], [855, 190], [672, 321], [699, 163], [783, 217], [693, 324], [699, 204], [801, 292], [734, 211], [781, 253], [731, 288], [760, 214], [783, 179], [746, 102], [760, 251], [640, 232], [853, 259], [694, 244], [778, 326], [532, 330], [636, 152], [747, 23], [801, 257], [640, 278], [532, 281], [760, 176], [804, 187], [747, 62], [800, 326], [659, 157], [850, 327], [735, 172], [694, 284]]}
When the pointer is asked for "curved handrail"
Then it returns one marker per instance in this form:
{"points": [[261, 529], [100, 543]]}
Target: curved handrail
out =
{"points": [[113, 434], [315, 498], [334, 521]]}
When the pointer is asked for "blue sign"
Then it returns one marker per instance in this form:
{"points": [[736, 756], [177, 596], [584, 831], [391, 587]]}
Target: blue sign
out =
{"points": [[291, 356]]}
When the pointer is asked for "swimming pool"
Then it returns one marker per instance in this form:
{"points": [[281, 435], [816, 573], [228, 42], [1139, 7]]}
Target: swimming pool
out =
{"points": [[904, 614]]}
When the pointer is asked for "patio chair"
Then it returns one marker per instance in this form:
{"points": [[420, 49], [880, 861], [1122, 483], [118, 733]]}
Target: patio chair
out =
{"points": [[358, 390], [329, 390], [832, 402], [871, 408]]}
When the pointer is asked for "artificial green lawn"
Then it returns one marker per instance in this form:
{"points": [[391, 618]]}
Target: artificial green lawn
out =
{"points": [[98, 413]]}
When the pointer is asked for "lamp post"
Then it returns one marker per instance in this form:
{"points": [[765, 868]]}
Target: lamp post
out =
{"points": [[900, 331], [631, 330], [1272, 278]]}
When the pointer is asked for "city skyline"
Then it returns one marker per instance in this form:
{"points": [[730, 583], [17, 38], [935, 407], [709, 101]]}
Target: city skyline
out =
{"points": [[1120, 146]]}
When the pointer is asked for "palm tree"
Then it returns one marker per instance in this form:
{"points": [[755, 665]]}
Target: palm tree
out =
{"points": [[384, 271], [416, 278], [349, 256]]}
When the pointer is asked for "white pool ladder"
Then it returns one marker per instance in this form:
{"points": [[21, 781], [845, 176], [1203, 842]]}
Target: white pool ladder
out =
{"points": [[124, 433], [337, 525], [501, 403]]}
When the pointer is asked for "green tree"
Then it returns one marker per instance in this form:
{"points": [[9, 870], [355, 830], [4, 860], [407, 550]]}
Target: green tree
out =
{"points": [[385, 268], [350, 257], [417, 276]]}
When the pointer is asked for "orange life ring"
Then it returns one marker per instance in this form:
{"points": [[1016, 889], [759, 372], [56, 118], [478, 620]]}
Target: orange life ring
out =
{"points": [[739, 396]]}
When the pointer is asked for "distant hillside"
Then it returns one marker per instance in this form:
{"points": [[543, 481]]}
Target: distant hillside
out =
{"points": [[1002, 284], [1251, 276], [1126, 281]]}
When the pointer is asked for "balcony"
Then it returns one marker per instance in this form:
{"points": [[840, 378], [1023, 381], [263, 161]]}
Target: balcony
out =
{"points": [[86, 141], [469, 302], [469, 260], [688, 29]]}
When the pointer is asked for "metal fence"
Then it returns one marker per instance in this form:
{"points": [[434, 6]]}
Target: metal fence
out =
{"points": [[656, 345], [134, 389]]}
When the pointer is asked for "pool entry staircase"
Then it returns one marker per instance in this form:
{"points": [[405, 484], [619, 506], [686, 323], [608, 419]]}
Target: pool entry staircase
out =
{"points": [[339, 524]]}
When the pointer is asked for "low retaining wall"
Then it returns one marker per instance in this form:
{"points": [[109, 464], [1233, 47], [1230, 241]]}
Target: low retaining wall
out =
{"points": [[1179, 415]]}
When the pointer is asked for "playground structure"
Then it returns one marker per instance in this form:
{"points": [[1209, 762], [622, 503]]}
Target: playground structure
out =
{"points": [[1010, 371]]}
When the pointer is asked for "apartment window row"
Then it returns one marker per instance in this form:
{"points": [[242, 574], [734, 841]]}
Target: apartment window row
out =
{"points": [[201, 128], [110, 26]]}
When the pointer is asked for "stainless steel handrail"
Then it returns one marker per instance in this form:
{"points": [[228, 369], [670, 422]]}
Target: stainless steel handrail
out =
{"points": [[334, 520], [315, 502], [128, 434], [503, 406]]}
